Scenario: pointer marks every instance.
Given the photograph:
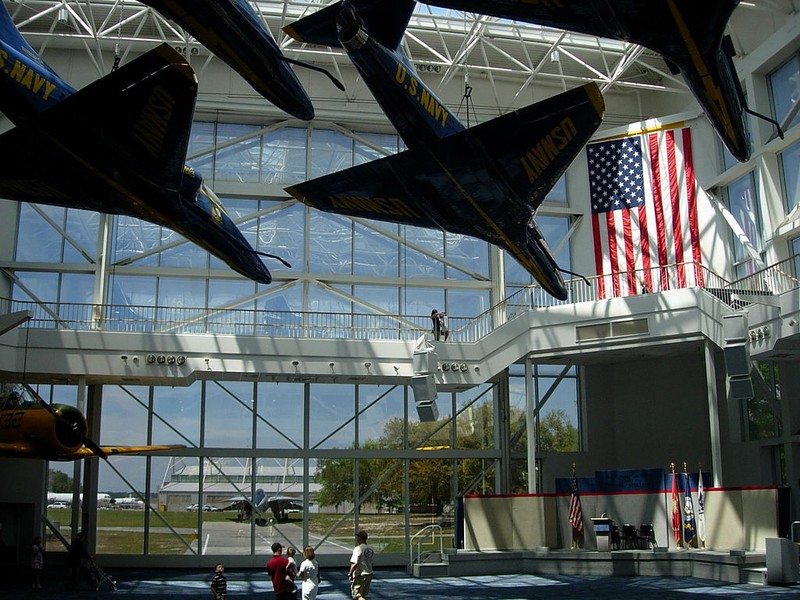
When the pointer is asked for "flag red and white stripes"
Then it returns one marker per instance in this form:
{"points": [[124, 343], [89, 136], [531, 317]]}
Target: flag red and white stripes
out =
{"points": [[644, 213], [575, 510]]}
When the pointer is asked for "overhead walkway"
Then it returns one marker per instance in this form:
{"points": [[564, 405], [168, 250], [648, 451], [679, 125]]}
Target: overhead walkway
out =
{"points": [[63, 343]]}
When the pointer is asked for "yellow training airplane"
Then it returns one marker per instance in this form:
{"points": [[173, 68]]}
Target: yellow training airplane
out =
{"points": [[31, 428]]}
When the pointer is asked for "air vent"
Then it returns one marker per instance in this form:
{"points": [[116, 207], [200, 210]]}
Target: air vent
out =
{"points": [[600, 331]]}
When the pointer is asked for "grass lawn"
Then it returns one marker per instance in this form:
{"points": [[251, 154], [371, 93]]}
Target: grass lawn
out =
{"points": [[117, 529]]}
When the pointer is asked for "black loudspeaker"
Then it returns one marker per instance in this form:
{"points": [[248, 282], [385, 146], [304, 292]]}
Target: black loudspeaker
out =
{"points": [[424, 388], [741, 388], [737, 361], [737, 356]]}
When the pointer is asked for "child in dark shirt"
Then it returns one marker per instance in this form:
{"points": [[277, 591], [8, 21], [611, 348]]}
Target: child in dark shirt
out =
{"points": [[219, 585]]}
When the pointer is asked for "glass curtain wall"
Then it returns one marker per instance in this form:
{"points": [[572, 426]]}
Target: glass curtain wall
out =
{"points": [[344, 455]]}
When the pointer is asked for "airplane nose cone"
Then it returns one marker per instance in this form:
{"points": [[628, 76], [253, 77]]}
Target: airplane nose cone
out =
{"points": [[302, 109], [71, 427], [257, 271]]}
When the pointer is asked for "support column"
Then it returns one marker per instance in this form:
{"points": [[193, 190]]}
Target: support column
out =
{"points": [[713, 413], [91, 466], [503, 439], [530, 424]]}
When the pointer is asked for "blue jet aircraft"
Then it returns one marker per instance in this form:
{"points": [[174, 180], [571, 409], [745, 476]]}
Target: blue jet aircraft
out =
{"points": [[236, 35], [117, 146], [689, 34], [486, 181]]}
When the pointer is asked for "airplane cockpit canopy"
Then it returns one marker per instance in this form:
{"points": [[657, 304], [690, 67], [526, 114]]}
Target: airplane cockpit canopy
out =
{"points": [[17, 396]]}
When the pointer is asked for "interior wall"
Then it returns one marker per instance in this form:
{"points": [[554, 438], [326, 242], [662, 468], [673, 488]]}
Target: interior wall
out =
{"points": [[21, 498], [646, 401]]}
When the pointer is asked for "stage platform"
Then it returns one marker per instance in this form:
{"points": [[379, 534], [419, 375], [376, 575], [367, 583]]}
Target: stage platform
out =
{"points": [[726, 566]]}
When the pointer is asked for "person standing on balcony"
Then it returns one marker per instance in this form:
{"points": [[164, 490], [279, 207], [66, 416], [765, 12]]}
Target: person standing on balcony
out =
{"points": [[440, 330]]}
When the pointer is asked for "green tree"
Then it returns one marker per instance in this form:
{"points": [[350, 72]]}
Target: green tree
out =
{"points": [[557, 433], [763, 409], [430, 478], [59, 482]]}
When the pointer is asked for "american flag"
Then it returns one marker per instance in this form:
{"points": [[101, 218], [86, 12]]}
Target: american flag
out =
{"points": [[575, 510], [644, 213]]}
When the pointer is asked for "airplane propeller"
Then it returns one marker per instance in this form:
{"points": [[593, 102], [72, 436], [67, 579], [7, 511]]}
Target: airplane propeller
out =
{"points": [[71, 428]]}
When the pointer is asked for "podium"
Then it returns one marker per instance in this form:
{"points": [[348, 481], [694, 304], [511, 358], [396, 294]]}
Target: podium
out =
{"points": [[602, 531]]}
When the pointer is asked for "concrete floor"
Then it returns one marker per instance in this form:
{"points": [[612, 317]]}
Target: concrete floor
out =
{"points": [[394, 585]]}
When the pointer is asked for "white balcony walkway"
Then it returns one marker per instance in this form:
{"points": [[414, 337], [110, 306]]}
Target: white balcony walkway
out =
{"points": [[167, 346]]}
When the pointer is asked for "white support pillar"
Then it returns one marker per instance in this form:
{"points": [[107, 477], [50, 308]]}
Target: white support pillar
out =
{"points": [[713, 413], [530, 424]]}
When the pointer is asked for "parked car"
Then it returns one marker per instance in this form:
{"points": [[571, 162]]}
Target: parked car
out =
{"points": [[58, 505], [206, 508]]}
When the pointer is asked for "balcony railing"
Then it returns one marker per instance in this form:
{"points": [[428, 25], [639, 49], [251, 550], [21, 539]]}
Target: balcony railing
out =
{"points": [[369, 326]]}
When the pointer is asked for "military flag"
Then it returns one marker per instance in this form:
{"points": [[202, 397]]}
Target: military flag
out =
{"points": [[701, 509], [676, 510], [689, 526]]}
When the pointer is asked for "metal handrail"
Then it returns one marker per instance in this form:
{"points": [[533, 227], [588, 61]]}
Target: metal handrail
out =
{"points": [[370, 326], [429, 532]]}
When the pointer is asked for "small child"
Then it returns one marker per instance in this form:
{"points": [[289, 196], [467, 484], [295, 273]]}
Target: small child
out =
{"points": [[219, 585], [290, 552], [37, 561]]}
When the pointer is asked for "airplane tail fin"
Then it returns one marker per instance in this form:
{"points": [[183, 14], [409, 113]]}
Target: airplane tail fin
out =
{"points": [[144, 109], [386, 21], [261, 499], [133, 123]]}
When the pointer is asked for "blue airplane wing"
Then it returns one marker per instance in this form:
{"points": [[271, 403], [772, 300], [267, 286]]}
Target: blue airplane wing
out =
{"points": [[235, 34], [96, 149], [485, 182], [689, 34]]}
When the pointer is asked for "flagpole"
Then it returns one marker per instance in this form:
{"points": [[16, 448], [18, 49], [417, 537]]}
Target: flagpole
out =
{"points": [[701, 518], [572, 528], [687, 491]]}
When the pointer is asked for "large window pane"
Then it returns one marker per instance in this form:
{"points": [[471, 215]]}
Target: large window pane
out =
{"points": [[784, 85], [200, 154], [374, 253], [176, 418], [380, 145], [280, 415], [331, 246], [795, 244], [135, 240], [790, 174], [284, 156], [282, 233], [82, 227], [241, 160], [331, 151], [332, 417], [228, 415], [38, 241], [741, 195], [470, 253], [419, 251]]}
